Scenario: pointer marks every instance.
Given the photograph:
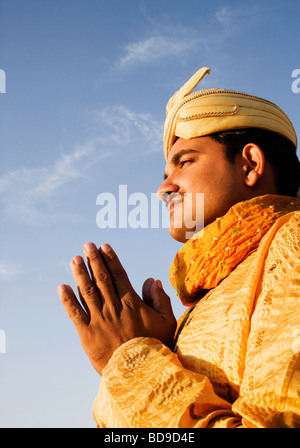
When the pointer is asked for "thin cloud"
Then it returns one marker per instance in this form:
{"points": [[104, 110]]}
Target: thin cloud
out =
{"points": [[10, 270], [44, 181], [23, 192], [126, 127], [65, 264], [154, 48], [232, 18], [225, 15], [166, 41], [31, 195]]}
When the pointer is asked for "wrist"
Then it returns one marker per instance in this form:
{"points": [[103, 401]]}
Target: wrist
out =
{"points": [[131, 355]]}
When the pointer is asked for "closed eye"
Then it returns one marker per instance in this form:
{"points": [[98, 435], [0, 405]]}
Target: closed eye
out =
{"points": [[182, 163]]}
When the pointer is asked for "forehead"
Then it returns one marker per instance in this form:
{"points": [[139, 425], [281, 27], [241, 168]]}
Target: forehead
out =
{"points": [[193, 147], [197, 144]]}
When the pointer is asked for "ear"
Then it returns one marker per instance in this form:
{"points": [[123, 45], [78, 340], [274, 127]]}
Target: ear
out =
{"points": [[253, 164]]}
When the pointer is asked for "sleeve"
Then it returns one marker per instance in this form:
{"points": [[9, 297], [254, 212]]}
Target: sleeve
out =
{"points": [[144, 385], [270, 391]]}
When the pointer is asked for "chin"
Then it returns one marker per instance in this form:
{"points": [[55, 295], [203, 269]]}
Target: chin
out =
{"points": [[179, 234]]}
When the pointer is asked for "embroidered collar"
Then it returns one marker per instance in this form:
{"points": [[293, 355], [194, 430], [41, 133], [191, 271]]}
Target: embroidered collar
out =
{"points": [[207, 258]]}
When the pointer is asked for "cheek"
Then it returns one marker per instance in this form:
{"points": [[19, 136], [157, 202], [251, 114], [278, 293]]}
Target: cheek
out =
{"points": [[220, 195], [220, 177], [206, 180]]}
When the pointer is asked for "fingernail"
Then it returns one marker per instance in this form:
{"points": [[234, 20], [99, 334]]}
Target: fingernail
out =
{"points": [[106, 248], [78, 260], [61, 289], [90, 247], [159, 283]]}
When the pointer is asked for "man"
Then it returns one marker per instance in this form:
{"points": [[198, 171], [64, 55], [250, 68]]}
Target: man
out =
{"points": [[233, 359]]}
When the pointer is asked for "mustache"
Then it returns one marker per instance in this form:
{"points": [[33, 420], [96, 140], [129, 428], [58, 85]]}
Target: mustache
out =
{"points": [[167, 198]]}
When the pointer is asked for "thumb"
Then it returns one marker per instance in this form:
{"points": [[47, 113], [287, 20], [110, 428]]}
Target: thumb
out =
{"points": [[146, 291], [160, 300]]}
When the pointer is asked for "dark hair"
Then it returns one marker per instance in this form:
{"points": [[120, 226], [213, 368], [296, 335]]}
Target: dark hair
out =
{"points": [[278, 151]]}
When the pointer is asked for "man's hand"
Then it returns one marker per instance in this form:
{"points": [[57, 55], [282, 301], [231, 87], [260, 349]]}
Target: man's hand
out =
{"points": [[111, 312]]}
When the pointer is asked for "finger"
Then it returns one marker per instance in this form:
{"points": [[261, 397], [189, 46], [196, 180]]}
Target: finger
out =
{"points": [[117, 272], [146, 291], [160, 300], [100, 274], [86, 287], [72, 306]]}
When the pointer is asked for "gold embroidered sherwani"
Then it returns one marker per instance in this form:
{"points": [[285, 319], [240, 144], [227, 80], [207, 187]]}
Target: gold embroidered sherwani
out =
{"points": [[235, 361]]}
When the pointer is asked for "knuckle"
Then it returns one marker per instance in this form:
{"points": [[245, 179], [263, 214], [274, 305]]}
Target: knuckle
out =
{"points": [[65, 298], [129, 302], [119, 274], [102, 277], [89, 290], [111, 311], [93, 255], [81, 269], [75, 315]]}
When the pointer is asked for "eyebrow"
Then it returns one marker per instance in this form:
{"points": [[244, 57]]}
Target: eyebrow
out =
{"points": [[176, 158]]}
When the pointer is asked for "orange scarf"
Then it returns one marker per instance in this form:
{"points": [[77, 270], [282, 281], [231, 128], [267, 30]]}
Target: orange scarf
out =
{"points": [[207, 258]]}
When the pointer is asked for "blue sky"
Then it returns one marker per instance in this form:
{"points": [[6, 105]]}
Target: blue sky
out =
{"points": [[87, 82]]}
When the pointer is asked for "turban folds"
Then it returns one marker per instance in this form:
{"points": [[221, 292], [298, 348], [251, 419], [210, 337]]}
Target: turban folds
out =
{"points": [[208, 111]]}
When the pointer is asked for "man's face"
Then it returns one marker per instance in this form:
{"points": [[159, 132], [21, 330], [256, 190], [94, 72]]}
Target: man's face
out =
{"points": [[199, 165]]}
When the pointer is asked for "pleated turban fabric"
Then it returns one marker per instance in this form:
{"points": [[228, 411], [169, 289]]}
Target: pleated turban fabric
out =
{"points": [[208, 111]]}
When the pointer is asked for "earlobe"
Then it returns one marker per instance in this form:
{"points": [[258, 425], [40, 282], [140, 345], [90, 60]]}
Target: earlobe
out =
{"points": [[253, 164]]}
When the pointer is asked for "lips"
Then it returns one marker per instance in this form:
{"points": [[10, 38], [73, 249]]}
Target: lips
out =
{"points": [[173, 200]]}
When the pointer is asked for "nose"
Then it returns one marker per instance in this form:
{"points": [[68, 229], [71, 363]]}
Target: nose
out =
{"points": [[167, 188]]}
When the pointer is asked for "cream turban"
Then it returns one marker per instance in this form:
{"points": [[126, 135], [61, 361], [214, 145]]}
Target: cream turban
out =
{"points": [[213, 110]]}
